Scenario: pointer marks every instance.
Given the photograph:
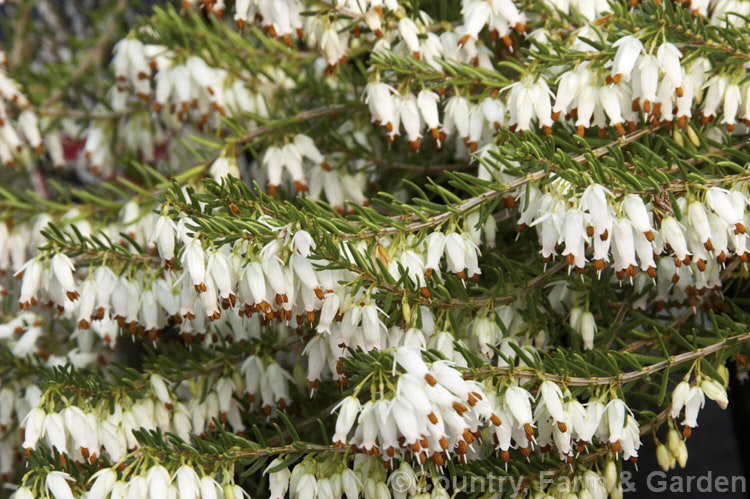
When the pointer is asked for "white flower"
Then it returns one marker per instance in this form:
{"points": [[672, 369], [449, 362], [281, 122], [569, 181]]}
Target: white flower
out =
{"points": [[494, 112], [29, 126], [553, 400], [410, 119], [694, 403], [616, 413], [208, 488], [716, 88], [587, 99], [194, 260], [159, 387], [332, 47], [588, 330], [517, 402], [611, 105], [719, 201], [33, 426], [409, 31], [574, 236], [427, 101], [623, 248], [278, 481], [457, 116], [158, 481], [273, 163], [648, 71], [56, 483], [668, 57], [63, 268], [634, 208], [671, 231], [32, 276], [540, 94], [137, 487], [304, 271], [303, 241], [350, 484], [411, 360], [405, 420], [716, 392], [328, 312], [25, 493], [188, 482], [104, 480], [732, 98], [435, 243], [476, 15], [379, 98], [628, 50], [567, 91], [371, 326]]}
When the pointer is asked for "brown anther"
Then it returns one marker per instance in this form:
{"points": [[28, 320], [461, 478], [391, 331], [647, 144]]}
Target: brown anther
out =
{"points": [[686, 431], [468, 436], [443, 443], [461, 447], [528, 430], [459, 408]]}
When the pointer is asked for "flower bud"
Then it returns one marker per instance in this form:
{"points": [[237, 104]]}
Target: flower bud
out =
{"points": [[682, 454], [588, 329], [610, 476], [23, 493], [724, 373], [673, 441], [663, 456]]}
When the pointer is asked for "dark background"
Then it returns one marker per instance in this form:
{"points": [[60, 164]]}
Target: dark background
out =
{"points": [[720, 445]]}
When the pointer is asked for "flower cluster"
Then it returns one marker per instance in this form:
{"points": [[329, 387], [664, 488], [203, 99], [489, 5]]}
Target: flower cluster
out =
{"points": [[157, 481], [19, 124], [632, 233], [165, 319], [434, 413], [692, 398], [331, 478]]}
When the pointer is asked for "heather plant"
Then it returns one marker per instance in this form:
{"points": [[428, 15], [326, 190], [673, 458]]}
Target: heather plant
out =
{"points": [[378, 248]]}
